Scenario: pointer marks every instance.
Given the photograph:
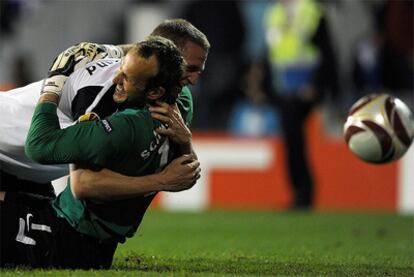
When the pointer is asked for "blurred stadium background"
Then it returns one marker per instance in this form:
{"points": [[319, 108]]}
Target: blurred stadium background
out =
{"points": [[363, 225], [243, 168]]}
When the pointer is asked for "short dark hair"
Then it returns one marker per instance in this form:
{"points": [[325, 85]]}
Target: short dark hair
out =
{"points": [[180, 31], [171, 64]]}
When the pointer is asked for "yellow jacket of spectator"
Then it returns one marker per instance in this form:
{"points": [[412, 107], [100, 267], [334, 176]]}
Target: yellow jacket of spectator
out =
{"points": [[290, 26]]}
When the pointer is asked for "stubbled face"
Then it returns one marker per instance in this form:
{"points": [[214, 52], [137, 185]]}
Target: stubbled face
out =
{"points": [[131, 79], [196, 58]]}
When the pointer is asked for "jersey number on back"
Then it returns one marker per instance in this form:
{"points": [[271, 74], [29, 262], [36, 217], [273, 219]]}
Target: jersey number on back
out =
{"points": [[163, 151]]}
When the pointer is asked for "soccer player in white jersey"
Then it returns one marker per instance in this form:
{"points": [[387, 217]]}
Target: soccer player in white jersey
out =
{"points": [[16, 106]]}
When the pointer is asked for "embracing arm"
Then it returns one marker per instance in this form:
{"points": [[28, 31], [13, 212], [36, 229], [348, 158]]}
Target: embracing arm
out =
{"points": [[43, 130], [81, 143], [179, 175], [125, 48], [46, 143]]}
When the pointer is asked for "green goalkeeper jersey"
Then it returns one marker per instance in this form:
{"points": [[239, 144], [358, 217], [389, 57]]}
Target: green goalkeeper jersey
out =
{"points": [[124, 142]]}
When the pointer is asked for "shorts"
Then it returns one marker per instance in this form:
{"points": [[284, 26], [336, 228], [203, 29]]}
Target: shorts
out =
{"points": [[10, 182], [31, 235]]}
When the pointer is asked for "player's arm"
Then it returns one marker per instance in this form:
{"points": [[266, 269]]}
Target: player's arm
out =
{"points": [[180, 174], [124, 47], [46, 143]]}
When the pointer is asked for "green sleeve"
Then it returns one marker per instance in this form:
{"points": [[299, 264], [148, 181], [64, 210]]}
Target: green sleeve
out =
{"points": [[185, 104], [89, 143]]}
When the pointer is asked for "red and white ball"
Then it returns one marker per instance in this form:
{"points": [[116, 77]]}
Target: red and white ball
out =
{"points": [[379, 128]]}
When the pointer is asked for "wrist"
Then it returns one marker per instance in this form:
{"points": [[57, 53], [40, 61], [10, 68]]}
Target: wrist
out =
{"points": [[186, 147], [159, 181], [49, 97], [54, 84]]}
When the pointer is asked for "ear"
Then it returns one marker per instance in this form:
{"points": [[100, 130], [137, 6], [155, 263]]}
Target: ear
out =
{"points": [[156, 93]]}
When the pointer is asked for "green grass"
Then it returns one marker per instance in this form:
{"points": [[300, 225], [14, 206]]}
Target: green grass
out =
{"points": [[262, 244]]}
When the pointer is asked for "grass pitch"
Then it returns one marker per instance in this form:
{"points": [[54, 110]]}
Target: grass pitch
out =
{"points": [[218, 243]]}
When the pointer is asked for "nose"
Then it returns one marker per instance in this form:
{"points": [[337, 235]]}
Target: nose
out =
{"points": [[190, 79], [118, 78]]}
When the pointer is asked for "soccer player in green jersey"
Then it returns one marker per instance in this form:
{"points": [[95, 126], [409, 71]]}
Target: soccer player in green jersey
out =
{"points": [[124, 142]]}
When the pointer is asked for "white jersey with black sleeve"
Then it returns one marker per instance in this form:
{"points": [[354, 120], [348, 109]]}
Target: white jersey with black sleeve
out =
{"points": [[89, 89]]}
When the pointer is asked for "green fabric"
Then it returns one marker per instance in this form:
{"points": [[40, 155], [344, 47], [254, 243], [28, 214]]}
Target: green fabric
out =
{"points": [[185, 103], [129, 146]]}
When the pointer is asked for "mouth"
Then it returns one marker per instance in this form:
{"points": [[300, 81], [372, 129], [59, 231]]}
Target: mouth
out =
{"points": [[120, 92], [120, 95]]}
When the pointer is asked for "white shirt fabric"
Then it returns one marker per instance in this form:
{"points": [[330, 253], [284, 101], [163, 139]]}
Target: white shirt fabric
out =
{"points": [[16, 110]]}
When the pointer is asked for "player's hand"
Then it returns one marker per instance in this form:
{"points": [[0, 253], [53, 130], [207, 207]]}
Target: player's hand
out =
{"points": [[170, 116], [75, 57], [69, 61], [181, 174], [93, 51], [61, 69]]}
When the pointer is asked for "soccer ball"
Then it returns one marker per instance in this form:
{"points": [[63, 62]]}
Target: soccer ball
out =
{"points": [[379, 128]]}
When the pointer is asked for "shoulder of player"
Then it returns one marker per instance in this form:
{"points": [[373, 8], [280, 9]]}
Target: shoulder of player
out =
{"points": [[136, 125], [140, 118], [133, 112]]}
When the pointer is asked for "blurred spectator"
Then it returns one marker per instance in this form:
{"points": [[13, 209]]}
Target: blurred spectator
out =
{"points": [[21, 71], [222, 23], [384, 59], [397, 55], [254, 116], [9, 12], [303, 70], [366, 65], [20, 74]]}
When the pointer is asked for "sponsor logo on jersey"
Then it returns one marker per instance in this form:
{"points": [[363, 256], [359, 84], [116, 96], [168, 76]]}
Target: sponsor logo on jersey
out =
{"points": [[107, 125]]}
